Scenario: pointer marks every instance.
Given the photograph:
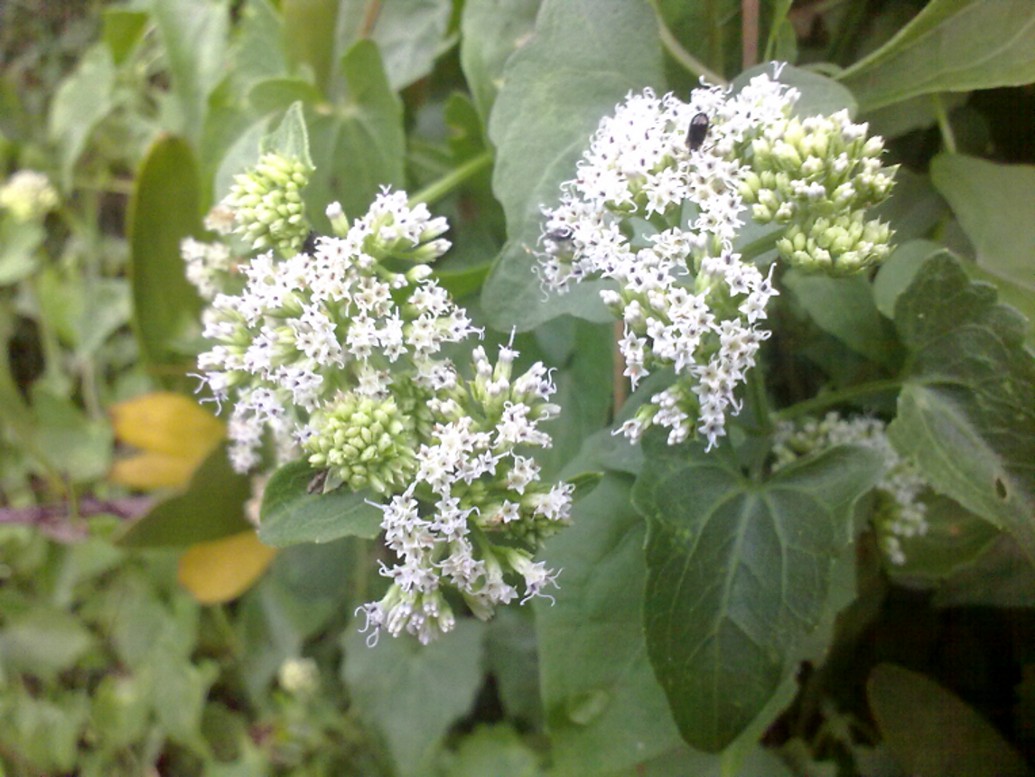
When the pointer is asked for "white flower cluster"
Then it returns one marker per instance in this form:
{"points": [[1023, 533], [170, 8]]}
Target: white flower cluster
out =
{"points": [[659, 219], [28, 195], [209, 266], [900, 514], [305, 328], [481, 486], [340, 357]]}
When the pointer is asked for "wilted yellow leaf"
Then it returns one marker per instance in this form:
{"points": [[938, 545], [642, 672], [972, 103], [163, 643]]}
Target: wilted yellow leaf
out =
{"points": [[172, 431], [223, 569]]}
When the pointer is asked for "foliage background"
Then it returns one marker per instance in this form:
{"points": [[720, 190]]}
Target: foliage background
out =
{"points": [[135, 650]]}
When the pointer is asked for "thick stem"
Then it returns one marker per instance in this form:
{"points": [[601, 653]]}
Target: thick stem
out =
{"points": [[833, 398], [452, 179], [681, 55]]}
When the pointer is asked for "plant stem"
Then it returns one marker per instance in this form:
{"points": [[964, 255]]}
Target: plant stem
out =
{"points": [[832, 398], [758, 247], [681, 55], [944, 126], [758, 400], [452, 179]]}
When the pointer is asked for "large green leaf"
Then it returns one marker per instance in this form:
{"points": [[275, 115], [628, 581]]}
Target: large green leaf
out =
{"points": [[291, 514], [413, 693], [951, 46], [357, 146], [492, 30], [194, 33], [994, 205], [966, 412], [605, 711], [932, 732], [844, 307], [584, 57], [164, 209], [81, 101], [210, 508], [409, 33], [739, 572]]}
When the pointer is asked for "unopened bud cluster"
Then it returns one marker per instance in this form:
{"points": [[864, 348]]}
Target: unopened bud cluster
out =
{"points": [[336, 353], [362, 442], [818, 176], [899, 514], [266, 202], [656, 208]]}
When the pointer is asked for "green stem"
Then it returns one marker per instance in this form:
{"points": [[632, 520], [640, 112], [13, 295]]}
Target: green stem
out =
{"points": [[453, 179], [944, 126], [833, 398], [758, 400], [681, 55], [758, 247]]}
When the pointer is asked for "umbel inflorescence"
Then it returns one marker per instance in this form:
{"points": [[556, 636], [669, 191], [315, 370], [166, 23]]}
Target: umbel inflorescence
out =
{"points": [[335, 354], [657, 206]]}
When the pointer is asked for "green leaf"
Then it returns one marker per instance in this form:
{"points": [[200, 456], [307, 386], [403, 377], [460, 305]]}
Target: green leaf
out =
{"points": [[290, 138], [950, 46], [257, 52], [819, 95], [932, 732], [123, 30], [164, 209], [581, 61], [210, 508], [993, 204], [43, 732], [413, 693], [119, 707], [1000, 577], [511, 657], [309, 37], [898, 272], [844, 307], [82, 100], [966, 412], [43, 642], [739, 573], [584, 388], [490, 32], [955, 538], [494, 750], [359, 146], [409, 33], [19, 241], [605, 711], [290, 514], [68, 439], [84, 311], [194, 33]]}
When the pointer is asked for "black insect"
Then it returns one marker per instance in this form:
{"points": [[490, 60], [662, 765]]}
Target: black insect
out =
{"points": [[309, 244], [698, 131]]}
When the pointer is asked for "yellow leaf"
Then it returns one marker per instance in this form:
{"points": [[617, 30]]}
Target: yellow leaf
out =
{"points": [[150, 470], [223, 569], [173, 432]]}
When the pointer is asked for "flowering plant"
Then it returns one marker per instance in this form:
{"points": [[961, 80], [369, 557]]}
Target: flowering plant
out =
{"points": [[716, 362]]}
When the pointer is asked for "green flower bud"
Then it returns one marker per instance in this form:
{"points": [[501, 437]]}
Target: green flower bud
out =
{"points": [[267, 204], [363, 442]]}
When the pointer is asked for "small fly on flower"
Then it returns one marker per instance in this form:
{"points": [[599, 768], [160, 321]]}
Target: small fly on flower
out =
{"points": [[698, 131], [309, 244]]}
